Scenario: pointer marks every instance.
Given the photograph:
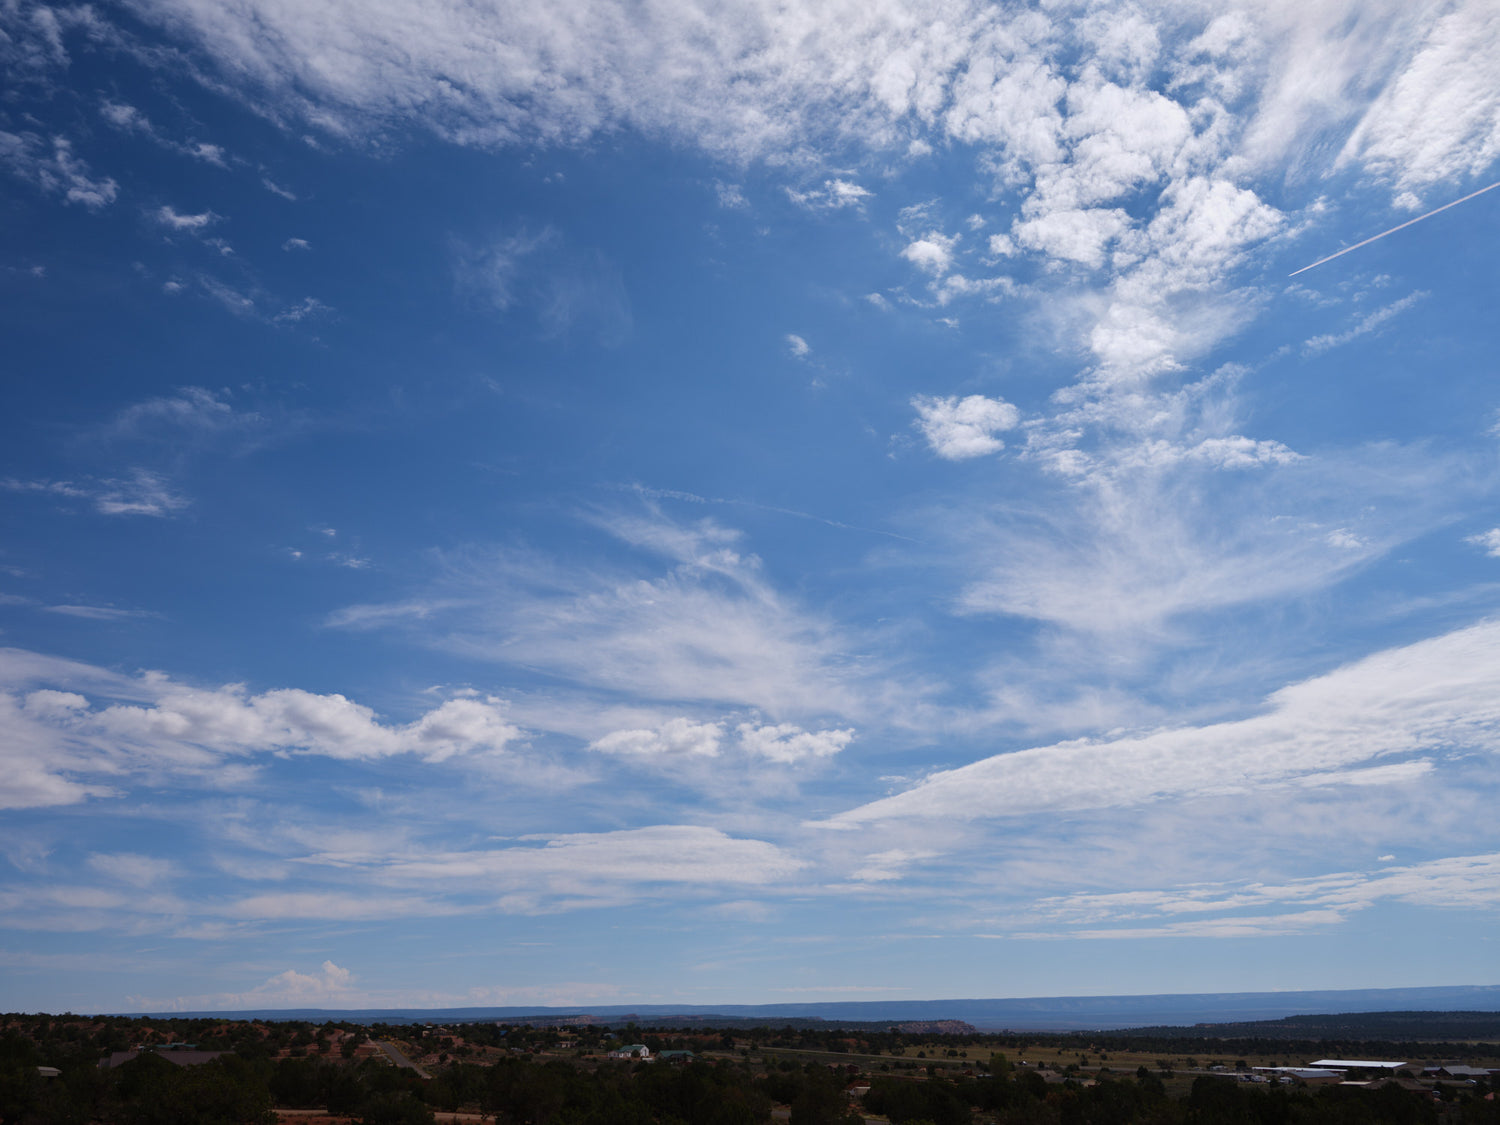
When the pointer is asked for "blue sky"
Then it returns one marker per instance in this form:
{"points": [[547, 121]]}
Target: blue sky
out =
{"points": [[744, 503]]}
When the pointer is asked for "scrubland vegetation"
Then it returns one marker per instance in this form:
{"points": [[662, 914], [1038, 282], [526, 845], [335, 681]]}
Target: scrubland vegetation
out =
{"points": [[522, 1075]]}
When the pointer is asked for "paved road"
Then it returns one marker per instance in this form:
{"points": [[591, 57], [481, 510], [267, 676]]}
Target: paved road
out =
{"points": [[393, 1053]]}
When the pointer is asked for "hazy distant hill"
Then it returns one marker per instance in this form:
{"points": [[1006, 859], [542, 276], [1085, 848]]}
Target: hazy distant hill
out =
{"points": [[1448, 1027], [1052, 1013]]}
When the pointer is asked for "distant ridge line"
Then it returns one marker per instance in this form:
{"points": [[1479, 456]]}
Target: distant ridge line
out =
{"points": [[1048, 1013]]}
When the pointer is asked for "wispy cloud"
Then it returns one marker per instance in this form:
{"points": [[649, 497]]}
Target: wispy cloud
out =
{"points": [[169, 216], [709, 628], [129, 119], [1366, 324], [1216, 911], [834, 195], [1425, 698], [730, 196], [98, 612], [188, 413], [52, 167], [566, 288], [141, 493], [492, 273]]}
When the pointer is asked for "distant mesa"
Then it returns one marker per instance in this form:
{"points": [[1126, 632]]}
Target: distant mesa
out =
{"points": [[1055, 1013]]}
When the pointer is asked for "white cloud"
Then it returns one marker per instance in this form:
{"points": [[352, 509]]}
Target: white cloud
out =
{"points": [[71, 730], [209, 154], [1157, 519], [33, 39], [329, 986], [1435, 696], [1365, 325], [169, 216], [97, 612], [296, 244], [834, 195], [231, 721], [711, 628], [51, 487], [797, 346], [1457, 882], [1343, 537], [956, 285], [1489, 541], [1071, 235], [603, 866], [190, 417], [1439, 119], [957, 429], [1001, 245], [143, 493], [1233, 452], [1200, 234], [932, 253], [125, 117], [536, 874], [787, 743], [190, 413], [1142, 109], [567, 288], [1239, 926], [133, 869], [730, 196], [36, 776], [308, 306], [889, 865], [769, 82], [233, 301], [294, 987], [493, 272], [26, 155], [678, 736], [129, 119]]}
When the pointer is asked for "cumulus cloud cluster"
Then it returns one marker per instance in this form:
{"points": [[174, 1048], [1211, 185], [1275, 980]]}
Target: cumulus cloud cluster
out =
{"points": [[756, 78], [957, 429], [64, 746], [1167, 105], [785, 743]]}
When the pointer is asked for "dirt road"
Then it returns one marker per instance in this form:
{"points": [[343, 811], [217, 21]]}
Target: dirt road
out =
{"points": [[393, 1053]]}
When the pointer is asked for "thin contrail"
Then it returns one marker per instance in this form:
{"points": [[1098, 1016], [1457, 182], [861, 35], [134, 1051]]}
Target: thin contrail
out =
{"points": [[1393, 230]]}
